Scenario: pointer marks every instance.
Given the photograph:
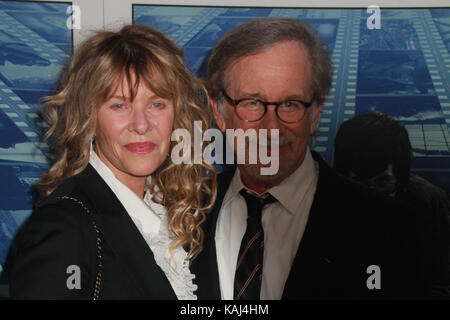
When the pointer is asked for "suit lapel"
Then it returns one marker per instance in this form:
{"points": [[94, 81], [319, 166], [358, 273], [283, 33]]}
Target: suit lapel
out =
{"points": [[123, 237], [315, 258], [315, 255], [204, 266]]}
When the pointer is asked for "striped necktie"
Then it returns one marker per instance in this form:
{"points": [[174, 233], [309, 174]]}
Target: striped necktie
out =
{"points": [[248, 276]]}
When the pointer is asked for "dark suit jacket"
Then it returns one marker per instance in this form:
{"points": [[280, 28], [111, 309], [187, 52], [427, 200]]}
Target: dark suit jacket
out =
{"points": [[61, 233], [348, 230]]}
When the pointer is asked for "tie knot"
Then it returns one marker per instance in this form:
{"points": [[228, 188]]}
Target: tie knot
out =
{"points": [[256, 203]]}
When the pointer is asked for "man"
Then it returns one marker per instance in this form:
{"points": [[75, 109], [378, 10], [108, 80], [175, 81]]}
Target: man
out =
{"points": [[374, 149], [323, 237]]}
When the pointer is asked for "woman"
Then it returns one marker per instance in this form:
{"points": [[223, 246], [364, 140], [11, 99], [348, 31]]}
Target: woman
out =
{"points": [[119, 220]]}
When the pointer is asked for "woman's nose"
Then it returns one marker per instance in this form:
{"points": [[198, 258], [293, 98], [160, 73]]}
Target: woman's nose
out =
{"points": [[141, 121]]}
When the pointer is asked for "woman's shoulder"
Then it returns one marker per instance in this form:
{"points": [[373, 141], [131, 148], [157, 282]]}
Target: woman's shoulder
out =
{"points": [[58, 234], [69, 204], [73, 192], [63, 217]]}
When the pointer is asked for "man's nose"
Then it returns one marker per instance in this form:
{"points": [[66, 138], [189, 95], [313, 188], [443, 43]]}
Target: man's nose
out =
{"points": [[270, 119]]}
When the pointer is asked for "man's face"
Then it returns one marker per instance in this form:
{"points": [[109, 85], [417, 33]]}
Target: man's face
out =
{"points": [[281, 72]]}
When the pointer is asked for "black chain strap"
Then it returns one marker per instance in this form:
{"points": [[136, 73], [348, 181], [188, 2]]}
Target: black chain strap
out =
{"points": [[98, 279]]}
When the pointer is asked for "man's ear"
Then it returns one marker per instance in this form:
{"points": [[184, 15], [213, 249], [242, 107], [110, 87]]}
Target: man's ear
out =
{"points": [[218, 116], [315, 118]]}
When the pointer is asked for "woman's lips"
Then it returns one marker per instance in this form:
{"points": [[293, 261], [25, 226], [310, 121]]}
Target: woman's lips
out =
{"points": [[140, 147]]}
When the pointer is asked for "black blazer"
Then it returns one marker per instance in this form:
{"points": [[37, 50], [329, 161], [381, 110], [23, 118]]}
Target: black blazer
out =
{"points": [[348, 229], [83, 223]]}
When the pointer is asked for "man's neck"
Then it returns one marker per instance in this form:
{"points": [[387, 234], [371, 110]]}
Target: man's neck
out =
{"points": [[259, 185]]}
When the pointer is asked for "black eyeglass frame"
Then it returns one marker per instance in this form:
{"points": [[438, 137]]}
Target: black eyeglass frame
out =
{"points": [[235, 103]]}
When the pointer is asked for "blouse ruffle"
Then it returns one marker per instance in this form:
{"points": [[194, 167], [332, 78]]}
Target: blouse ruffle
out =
{"points": [[175, 266]]}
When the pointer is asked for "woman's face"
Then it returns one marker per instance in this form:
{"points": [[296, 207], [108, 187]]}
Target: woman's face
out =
{"points": [[133, 137]]}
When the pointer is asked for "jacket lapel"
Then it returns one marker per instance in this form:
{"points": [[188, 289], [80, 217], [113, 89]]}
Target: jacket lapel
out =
{"points": [[122, 236], [314, 262], [314, 256], [204, 266]]}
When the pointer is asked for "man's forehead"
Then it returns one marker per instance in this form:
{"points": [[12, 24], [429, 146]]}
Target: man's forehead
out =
{"points": [[283, 68], [284, 45]]}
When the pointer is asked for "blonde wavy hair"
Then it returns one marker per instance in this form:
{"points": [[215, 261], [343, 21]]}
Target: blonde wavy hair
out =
{"points": [[96, 69]]}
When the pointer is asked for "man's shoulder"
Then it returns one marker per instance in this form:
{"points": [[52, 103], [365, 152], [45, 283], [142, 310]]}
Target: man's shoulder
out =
{"points": [[359, 204], [432, 196], [333, 185]]}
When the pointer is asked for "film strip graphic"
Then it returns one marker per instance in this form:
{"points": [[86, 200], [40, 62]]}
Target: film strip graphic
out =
{"points": [[352, 71], [39, 44], [437, 59], [285, 13], [20, 113], [31, 60], [188, 31], [340, 102]]}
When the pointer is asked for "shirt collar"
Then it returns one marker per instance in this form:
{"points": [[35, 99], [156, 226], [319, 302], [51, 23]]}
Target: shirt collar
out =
{"points": [[290, 192], [145, 214]]}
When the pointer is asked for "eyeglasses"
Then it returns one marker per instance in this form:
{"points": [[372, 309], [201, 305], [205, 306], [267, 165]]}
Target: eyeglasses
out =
{"points": [[252, 110]]}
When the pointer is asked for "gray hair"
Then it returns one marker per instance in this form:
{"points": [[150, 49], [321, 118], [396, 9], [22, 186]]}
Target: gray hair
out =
{"points": [[256, 35]]}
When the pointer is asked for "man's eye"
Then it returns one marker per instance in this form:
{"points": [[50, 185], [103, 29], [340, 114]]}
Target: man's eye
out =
{"points": [[250, 103], [291, 105]]}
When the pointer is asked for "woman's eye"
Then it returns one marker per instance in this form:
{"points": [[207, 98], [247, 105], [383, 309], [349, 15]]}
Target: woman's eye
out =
{"points": [[157, 105], [118, 106]]}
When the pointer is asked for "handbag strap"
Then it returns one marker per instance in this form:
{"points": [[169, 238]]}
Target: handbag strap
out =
{"points": [[98, 278]]}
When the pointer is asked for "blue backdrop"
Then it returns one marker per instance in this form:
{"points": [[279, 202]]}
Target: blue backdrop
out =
{"points": [[34, 45], [403, 70]]}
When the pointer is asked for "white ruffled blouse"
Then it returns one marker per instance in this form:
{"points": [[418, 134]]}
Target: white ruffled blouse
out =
{"points": [[151, 220]]}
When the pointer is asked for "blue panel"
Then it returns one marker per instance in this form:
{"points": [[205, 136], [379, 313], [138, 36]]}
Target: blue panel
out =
{"points": [[34, 45], [214, 31], [402, 69], [11, 135], [408, 109], [441, 19], [247, 12], [400, 72]]}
